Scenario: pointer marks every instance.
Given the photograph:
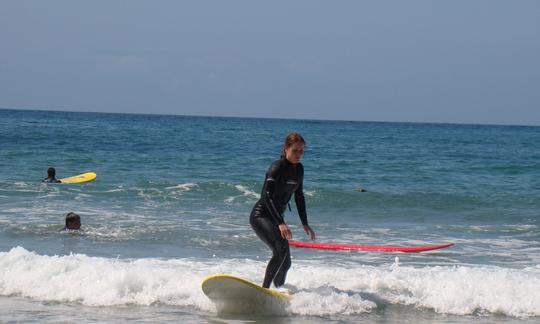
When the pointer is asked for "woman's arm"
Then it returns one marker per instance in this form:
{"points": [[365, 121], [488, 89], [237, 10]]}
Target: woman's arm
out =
{"points": [[268, 192]]}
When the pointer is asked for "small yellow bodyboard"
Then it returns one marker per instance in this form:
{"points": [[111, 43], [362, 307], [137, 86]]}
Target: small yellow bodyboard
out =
{"points": [[235, 295], [81, 178]]}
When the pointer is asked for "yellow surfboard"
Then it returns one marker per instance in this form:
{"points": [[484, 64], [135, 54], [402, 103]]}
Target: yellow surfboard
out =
{"points": [[234, 295], [80, 178]]}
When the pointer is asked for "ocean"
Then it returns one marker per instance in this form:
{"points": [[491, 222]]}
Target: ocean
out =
{"points": [[173, 194]]}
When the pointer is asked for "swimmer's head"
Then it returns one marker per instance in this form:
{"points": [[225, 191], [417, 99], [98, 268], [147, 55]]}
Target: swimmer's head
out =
{"points": [[51, 172], [73, 221]]}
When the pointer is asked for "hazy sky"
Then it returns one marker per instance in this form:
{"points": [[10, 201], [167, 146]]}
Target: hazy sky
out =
{"points": [[427, 61]]}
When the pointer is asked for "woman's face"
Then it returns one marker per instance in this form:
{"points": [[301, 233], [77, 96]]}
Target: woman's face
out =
{"points": [[294, 153]]}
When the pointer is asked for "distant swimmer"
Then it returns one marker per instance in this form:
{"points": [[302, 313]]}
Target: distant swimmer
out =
{"points": [[51, 176], [283, 179], [73, 222], [360, 190]]}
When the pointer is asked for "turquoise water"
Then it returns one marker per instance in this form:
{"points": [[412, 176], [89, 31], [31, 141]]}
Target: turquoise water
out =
{"points": [[173, 194]]}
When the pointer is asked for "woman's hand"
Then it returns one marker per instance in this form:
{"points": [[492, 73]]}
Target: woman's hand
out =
{"points": [[285, 231], [309, 232]]}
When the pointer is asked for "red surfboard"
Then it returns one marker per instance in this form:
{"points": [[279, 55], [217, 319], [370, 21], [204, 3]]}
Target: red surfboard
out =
{"points": [[373, 248]]}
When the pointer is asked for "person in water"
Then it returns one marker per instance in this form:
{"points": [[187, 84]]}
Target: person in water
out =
{"points": [[283, 179], [51, 176], [73, 222]]}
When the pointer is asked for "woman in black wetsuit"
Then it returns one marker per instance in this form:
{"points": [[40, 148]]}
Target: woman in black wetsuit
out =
{"points": [[283, 178]]}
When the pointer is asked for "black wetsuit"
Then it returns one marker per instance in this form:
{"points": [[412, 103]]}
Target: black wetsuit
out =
{"points": [[51, 180], [282, 180]]}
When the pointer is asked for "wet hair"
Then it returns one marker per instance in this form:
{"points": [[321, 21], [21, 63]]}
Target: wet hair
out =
{"points": [[290, 140], [73, 221], [51, 172]]}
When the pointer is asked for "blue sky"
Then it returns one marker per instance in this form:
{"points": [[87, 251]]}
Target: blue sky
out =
{"points": [[419, 61]]}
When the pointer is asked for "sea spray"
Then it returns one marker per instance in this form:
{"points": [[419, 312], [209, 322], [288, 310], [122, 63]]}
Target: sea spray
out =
{"points": [[319, 289]]}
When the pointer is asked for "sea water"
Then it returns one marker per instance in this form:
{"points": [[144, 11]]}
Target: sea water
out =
{"points": [[173, 194]]}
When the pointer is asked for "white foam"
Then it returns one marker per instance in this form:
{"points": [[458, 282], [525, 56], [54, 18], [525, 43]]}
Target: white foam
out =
{"points": [[118, 189], [319, 289], [100, 281], [325, 301], [114, 233], [203, 242], [450, 290], [183, 186], [510, 228], [244, 192], [247, 192]]}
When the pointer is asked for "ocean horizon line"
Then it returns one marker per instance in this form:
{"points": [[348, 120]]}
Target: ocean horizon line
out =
{"points": [[269, 118]]}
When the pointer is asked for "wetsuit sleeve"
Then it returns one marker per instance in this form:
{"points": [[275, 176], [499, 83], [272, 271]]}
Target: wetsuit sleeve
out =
{"points": [[299, 196], [268, 192], [51, 180]]}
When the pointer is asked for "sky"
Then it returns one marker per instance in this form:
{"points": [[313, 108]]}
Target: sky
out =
{"points": [[459, 61]]}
